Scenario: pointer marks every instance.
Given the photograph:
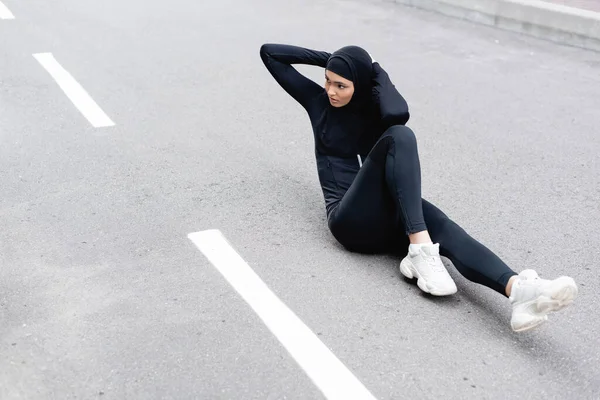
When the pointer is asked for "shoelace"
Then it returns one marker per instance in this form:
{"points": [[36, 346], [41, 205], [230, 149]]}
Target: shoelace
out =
{"points": [[435, 263], [530, 279]]}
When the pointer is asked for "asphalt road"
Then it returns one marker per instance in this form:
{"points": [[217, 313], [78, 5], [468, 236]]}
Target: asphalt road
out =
{"points": [[102, 295]]}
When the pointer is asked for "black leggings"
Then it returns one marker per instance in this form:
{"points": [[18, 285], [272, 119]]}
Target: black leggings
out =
{"points": [[383, 205]]}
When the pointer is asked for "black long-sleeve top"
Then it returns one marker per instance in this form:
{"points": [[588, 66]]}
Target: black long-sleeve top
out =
{"points": [[343, 136]]}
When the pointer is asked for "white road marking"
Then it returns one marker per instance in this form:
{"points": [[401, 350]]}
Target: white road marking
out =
{"points": [[320, 364], [74, 91], [5, 12]]}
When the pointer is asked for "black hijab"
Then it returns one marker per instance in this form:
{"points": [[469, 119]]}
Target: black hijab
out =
{"points": [[354, 64], [344, 127]]}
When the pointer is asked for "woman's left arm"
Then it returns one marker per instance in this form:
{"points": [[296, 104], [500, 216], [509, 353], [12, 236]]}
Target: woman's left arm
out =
{"points": [[392, 106]]}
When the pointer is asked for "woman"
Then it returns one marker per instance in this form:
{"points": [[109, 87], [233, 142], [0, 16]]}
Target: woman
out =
{"points": [[370, 174]]}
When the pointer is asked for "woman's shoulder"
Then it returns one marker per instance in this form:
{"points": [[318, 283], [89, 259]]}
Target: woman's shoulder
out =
{"points": [[319, 105]]}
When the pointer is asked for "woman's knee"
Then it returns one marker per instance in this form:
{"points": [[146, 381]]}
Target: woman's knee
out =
{"points": [[402, 136]]}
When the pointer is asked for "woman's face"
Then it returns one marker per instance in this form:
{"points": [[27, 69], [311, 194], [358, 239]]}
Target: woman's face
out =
{"points": [[339, 90]]}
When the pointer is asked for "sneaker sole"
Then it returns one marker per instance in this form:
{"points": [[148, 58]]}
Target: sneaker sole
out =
{"points": [[557, 296], [533, 324], [409, 271]]}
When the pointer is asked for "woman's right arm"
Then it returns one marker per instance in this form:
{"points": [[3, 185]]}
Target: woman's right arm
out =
{"points": [[278, 59]]}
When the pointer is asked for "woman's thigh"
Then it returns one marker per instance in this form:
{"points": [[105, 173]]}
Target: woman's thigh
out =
{"points": [[366, 219]]}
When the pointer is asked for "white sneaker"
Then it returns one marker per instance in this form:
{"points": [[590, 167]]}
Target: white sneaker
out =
{"points": [[533, 298], [426, 265]]}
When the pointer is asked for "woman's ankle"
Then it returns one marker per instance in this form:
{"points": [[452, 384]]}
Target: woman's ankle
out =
{"points": [[420, 238], [509, 285]]}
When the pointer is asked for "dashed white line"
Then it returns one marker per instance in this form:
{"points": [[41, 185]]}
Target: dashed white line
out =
{"points": [[326, 371], [5, 12], [74, 91]]}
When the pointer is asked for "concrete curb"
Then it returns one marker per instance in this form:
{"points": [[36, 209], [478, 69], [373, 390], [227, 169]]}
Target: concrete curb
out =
{"points": [[558, 23]]}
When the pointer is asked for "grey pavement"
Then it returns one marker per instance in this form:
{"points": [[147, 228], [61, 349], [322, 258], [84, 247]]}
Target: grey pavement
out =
{"points": [[570, 22], [590, 5], [103, 296]]}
